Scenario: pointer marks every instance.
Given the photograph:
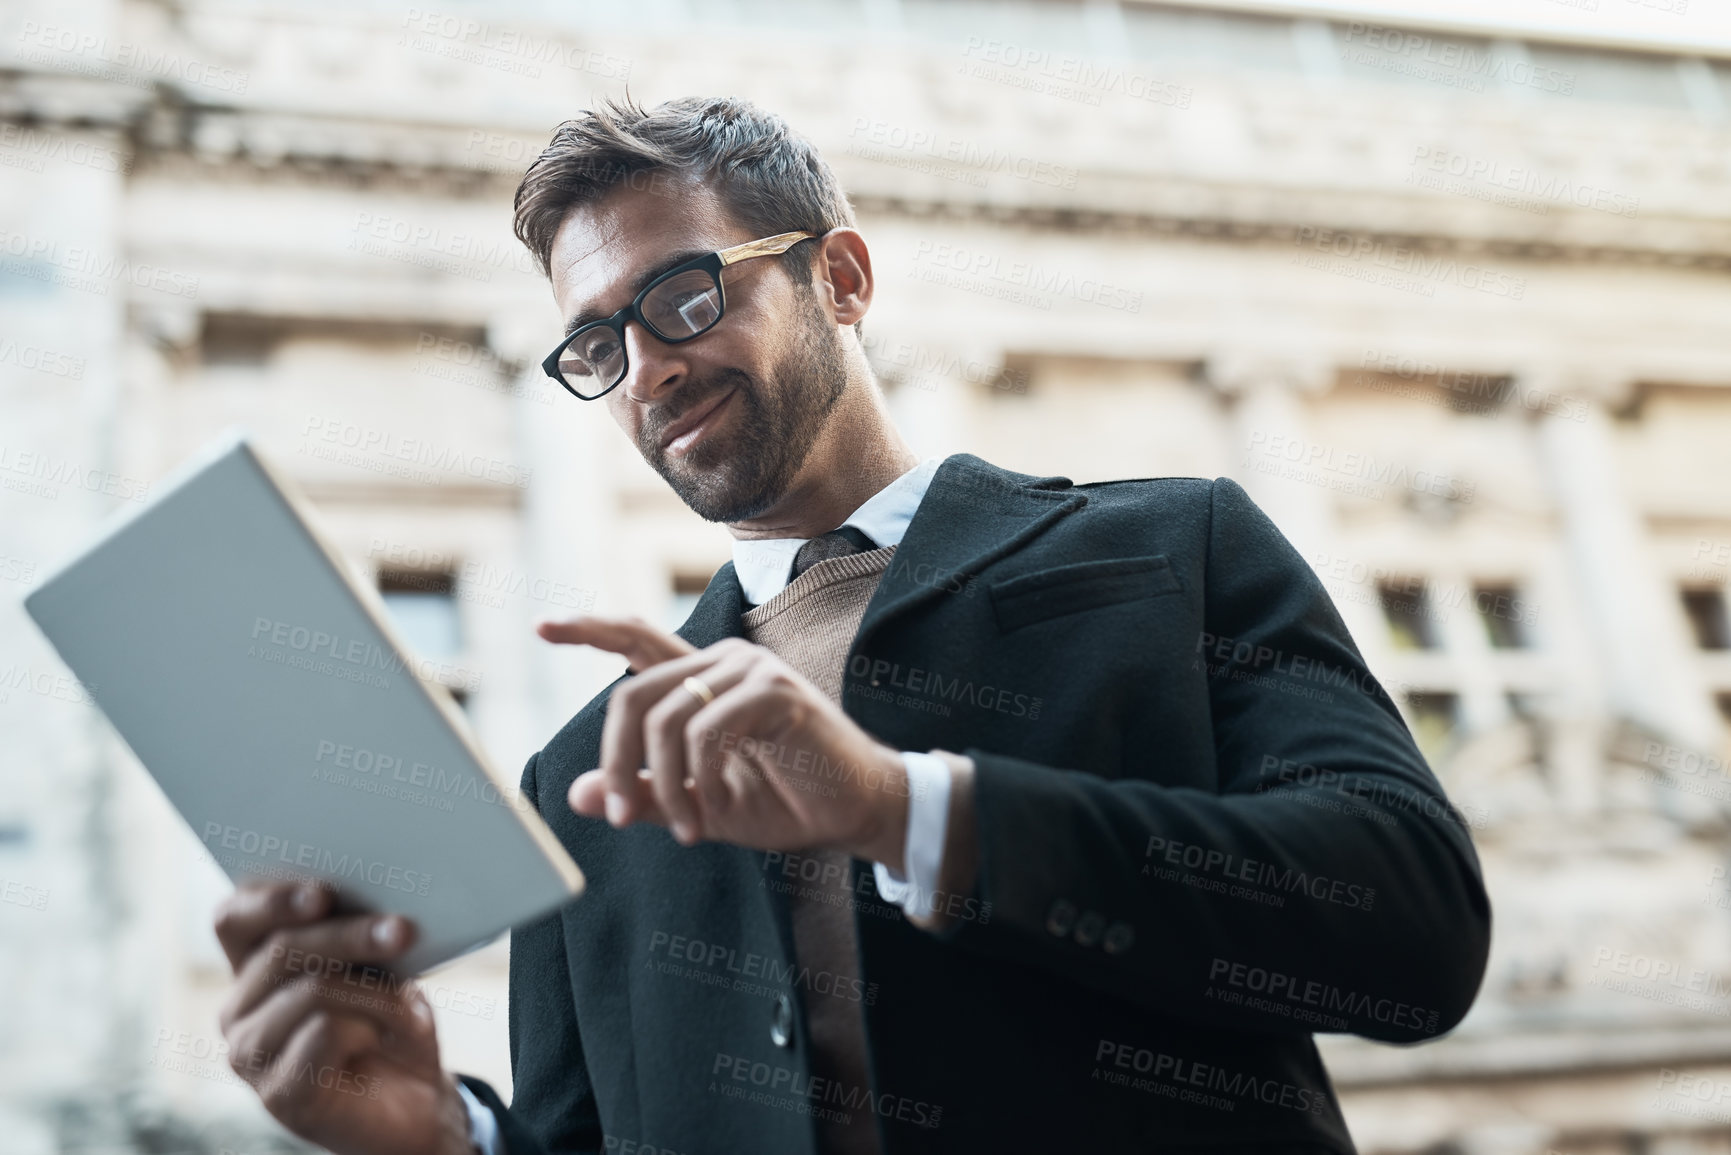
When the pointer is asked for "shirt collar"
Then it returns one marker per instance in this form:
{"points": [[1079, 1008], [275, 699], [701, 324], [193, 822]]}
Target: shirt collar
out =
{"points": [[765, 564]]}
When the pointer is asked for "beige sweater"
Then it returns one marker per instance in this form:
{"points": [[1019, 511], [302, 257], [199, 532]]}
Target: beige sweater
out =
{"points": [[810, 625]]}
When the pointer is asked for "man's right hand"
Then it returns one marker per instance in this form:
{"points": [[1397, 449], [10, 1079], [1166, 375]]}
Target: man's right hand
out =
{"points": [[341, 1051]]}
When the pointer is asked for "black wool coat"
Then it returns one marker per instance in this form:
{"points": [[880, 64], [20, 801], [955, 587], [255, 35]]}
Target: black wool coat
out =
{"points": [[1204, 834]]}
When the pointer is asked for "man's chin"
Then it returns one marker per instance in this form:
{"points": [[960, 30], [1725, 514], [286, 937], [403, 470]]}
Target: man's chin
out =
{"points": [[716, 492]]}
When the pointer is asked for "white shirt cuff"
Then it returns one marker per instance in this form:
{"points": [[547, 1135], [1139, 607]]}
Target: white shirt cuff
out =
{"points": [[916, 890], [483, 1124]]}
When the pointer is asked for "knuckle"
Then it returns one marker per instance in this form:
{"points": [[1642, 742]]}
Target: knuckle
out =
{"points": [[276, 945], [321, 1030]]}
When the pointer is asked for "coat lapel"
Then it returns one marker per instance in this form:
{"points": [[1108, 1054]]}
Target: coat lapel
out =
{"points": [[973, 514], [717, 613]]}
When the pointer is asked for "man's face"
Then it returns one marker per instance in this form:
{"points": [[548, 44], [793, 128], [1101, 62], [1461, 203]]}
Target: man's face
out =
{"points": [[729, 417]]}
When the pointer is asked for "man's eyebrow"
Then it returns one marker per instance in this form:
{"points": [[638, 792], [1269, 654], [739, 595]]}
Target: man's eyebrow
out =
{"points": [[671, 261]]}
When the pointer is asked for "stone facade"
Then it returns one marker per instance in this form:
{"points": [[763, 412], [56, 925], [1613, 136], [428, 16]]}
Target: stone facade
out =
{"points": [[1452, 306]]}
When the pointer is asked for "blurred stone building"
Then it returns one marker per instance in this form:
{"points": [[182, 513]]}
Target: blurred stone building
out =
{"points": [[1453, 306]]}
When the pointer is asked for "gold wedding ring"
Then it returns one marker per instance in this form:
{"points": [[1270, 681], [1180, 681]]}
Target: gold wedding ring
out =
{"points": [[699, 689]]}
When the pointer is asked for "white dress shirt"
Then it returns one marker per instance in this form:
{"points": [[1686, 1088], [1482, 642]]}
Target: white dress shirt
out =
{"points": [[764, 568]]}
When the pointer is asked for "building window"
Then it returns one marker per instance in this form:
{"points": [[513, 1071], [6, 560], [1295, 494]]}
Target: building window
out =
{"points": [[1434, 716], [423, 607], [1505, 615], [1706, 609], [1406, 607]]}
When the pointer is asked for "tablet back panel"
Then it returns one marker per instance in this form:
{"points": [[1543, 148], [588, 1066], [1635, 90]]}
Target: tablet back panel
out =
{"points": [[266, 692]]}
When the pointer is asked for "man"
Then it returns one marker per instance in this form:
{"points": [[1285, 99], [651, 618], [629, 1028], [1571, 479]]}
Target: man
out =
{"points": [[969, 810]]}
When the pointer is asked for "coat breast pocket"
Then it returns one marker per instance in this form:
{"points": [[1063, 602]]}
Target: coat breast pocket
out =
{"points": [[1071, 589]]}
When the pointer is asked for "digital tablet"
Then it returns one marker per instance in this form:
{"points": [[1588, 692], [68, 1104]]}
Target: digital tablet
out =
{"points": [[266, 691]]}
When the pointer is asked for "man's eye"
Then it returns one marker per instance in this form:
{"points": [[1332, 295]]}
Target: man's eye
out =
{"points": [[599, 349]]}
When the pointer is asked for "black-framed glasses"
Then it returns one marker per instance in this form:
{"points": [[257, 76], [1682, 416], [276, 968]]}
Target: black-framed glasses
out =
{"points": [[682, 303]]}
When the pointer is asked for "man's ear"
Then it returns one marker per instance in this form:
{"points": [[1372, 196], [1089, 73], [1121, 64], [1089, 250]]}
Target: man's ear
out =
{"points": [[844, 274]]}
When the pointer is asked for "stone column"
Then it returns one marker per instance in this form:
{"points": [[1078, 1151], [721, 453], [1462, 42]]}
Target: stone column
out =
{"points": [[1640, 636], [567, 525], [1268, 395]]}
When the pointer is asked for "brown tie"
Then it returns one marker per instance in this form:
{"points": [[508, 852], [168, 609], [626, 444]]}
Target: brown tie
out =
{"points": [[835, 543]]}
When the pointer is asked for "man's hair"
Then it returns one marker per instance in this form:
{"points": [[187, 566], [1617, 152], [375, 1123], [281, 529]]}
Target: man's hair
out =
{"points": [[769, 178]]}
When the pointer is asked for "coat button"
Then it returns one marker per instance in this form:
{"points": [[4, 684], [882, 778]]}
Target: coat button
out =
{"points": [[1061, 917], [781, 1022], [1089, 928], [1119, 936]]}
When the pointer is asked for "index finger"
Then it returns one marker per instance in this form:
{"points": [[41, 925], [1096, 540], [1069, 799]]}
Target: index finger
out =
{"points": [[635, 639], [257, 909]]}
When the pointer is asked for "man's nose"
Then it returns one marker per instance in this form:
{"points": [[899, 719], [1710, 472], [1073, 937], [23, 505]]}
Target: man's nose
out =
{"points": [[653, 367]]}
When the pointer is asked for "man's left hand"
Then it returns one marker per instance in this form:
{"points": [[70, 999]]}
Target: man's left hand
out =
{"points": [[769, 762]]}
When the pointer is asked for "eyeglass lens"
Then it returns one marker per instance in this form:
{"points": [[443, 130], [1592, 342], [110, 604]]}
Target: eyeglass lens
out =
{"points": [[677, 309]]}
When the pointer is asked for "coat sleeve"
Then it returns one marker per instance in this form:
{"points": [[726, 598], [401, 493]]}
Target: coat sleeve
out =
{"points": [[553, 1105], [1324, 884]]}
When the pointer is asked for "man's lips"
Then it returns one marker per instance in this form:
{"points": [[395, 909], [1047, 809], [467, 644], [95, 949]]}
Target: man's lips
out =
{"points": [[679, 437]]}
